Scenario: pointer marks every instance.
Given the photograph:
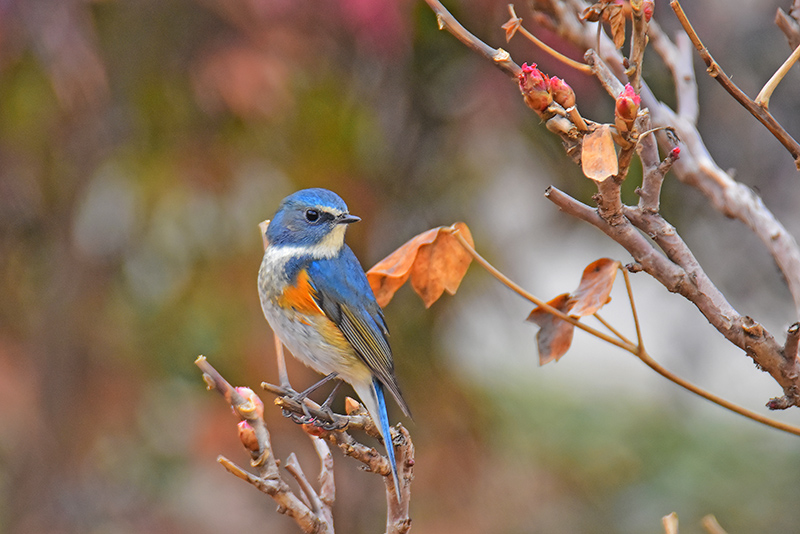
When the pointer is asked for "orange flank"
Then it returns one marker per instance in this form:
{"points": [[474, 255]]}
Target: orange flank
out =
{"points": [[300, 297]]}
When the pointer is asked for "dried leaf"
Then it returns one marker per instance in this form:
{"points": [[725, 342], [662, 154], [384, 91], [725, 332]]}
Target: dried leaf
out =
{"points": [[555, 335], [598, 156], [511, 27], [616, 18], [594, 12], [595, 287], [434, 260]]}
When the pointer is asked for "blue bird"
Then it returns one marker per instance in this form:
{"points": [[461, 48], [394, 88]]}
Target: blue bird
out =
{"points": [[317, 299]]}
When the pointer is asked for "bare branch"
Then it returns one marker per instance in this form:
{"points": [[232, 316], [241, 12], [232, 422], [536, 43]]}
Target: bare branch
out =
{"points": [[498, 56], [268, 480], [716, 72], [789, 24], [762, 99]]}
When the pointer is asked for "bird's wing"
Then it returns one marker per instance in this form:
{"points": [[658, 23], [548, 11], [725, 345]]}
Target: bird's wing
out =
{"points": [[344, 295]]}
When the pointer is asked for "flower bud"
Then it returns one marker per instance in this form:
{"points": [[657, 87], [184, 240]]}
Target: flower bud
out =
{"points": [[247, 435], [535, 87], [562, 92], [648, 6], [626, 108], [254, 403]]}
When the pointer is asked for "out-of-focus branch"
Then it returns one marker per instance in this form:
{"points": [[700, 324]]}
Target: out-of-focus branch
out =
{"points": [[790, 24], [716, 72]]}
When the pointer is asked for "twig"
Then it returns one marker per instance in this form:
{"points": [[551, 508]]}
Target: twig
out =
{"points": [[538, 302], [716, 72], [791, 343], [638, 45], [712, 526], [762, 99], [670, 523], [789, 24], [577, 65], [283, 376], [498, 56], [269, 480]]}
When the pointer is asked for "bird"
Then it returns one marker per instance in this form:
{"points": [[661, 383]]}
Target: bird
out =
{"points": [[316, 298]]}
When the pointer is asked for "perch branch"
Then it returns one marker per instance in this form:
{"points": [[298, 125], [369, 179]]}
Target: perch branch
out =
{"points": [[268, 480]]}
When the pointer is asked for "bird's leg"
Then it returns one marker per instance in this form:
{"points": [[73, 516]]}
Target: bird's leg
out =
{"points": [[337, 422], [300, 398]]}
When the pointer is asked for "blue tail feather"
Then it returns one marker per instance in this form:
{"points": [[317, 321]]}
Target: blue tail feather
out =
{"points": [[387, 435]]}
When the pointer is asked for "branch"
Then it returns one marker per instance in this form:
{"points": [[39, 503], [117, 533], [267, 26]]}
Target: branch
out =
{"points": [[398, 520], [498, 56], [250, 410], [716, 72]]}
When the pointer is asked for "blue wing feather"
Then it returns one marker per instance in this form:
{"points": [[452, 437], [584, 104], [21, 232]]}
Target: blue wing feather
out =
{"points": [[345, 296]]}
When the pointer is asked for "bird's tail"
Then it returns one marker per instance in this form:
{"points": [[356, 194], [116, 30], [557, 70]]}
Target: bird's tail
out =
{"points": [[375, 402]]}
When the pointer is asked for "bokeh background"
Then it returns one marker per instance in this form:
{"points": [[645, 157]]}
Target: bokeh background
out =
{"points": [[142, 141]]}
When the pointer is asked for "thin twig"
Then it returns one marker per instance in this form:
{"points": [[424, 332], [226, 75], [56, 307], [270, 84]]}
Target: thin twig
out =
{"points": [[638, 44], [766, 92], [542, 304], [712, 526], [577, 65], [716, 72], [629, 289], [283, 376], [498, 56]]}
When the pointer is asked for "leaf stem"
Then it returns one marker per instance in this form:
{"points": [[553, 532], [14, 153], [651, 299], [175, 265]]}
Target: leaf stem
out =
{"points": [[545, 306]]}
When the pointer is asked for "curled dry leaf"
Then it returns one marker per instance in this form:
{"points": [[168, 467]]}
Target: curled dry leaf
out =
{"points": [[595, 287], [598, 156], [434, 260], [555, 335]]}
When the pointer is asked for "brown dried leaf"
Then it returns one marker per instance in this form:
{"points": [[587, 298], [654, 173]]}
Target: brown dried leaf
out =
{"points": [[598, 156], [594, 12], [595, 287], [511, 27], [555, 335], [616, 18], [434, 260]]}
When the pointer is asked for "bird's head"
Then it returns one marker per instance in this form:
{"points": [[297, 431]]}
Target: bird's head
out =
{"points": [[311, 218]]}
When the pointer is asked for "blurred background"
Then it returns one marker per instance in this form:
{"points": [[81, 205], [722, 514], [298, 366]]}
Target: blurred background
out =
{"points": [[141, 143]]}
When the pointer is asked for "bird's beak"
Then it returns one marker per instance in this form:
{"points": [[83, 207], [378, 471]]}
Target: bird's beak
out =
{"points": [[346, 218]]}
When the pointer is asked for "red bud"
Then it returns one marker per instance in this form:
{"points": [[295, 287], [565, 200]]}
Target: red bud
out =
{"points": [[248, 436], [648, 6], [255, 402], [535, 87], [626, 108], [562, 92]]}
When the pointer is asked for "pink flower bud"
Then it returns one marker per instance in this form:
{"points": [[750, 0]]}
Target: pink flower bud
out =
{"points": [[626, 108], [535, 87], [562, 92], [247, 435], [648, 6], [251, 397], [676, 152]]}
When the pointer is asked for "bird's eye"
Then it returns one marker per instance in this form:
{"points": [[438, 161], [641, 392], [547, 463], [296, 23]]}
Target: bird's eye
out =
{"points": [[312, 215]]}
